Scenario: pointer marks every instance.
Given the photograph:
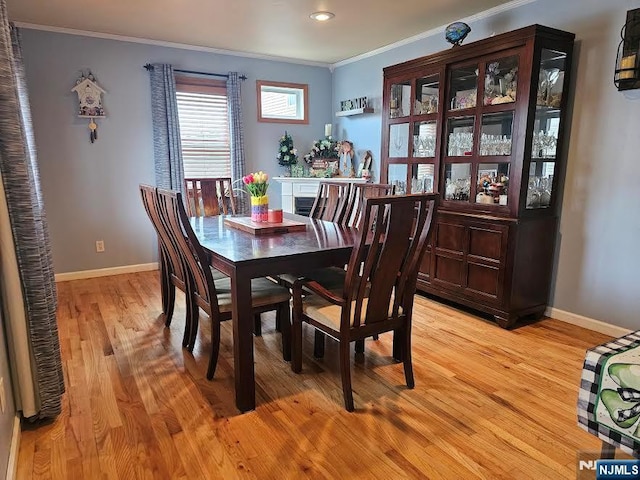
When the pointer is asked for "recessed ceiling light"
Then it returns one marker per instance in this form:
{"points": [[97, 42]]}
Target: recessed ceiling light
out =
{"points": [[322, 16]]}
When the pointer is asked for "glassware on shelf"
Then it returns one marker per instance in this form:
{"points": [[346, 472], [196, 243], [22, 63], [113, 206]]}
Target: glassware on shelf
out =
{"points": [[460, 136], [457, 181], [540, 185], [397, 176], [495, 144], [399, 140], [544, 145], [424, 139], [422, 175], [495, 138]]}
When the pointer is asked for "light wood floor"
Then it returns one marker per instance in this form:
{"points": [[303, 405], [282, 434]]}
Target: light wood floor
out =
{"points": [[488, 403]]}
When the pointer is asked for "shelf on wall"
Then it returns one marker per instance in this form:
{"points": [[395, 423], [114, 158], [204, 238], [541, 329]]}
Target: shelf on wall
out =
{"points": [[355, 111]]}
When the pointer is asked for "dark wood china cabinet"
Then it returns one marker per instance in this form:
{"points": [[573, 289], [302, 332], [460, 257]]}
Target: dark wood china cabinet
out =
{"points": [[483, 125]]}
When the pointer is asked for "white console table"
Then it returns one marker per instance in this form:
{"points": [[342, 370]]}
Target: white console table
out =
{"points": [[294, 187]]}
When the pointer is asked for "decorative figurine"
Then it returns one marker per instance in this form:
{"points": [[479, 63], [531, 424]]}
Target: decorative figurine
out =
{"points": [[346, 156], [456, 33], [89, 102]]}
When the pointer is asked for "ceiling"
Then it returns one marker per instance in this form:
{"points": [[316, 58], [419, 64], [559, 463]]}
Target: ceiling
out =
{"points": [[266, 27]]}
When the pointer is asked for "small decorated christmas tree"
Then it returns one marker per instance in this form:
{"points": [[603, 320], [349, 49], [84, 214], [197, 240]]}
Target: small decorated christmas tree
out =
{"points": [[287, 154]]}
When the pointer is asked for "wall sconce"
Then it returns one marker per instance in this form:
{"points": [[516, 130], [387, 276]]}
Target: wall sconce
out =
{"points": [[627, 74]]}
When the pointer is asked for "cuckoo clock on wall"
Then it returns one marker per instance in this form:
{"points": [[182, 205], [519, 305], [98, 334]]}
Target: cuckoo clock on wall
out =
{"points": [[89, 102]]}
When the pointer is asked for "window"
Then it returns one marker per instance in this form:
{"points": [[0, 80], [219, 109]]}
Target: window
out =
{"points": [[282, 102], [204, 127]]}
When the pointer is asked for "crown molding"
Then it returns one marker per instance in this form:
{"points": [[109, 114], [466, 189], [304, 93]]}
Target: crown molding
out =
{"points": [[161, 43], [473, 18]]}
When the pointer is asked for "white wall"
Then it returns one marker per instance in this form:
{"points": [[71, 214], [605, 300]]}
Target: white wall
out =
{"points": [[91, 190], [596, 271]]}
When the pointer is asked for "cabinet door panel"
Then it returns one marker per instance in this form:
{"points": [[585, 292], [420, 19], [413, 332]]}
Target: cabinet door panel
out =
{"points": [[449, 271], [482, 279], [485, 242], [450, 237]]}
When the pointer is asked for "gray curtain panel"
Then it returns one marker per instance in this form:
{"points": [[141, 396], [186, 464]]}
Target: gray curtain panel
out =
{"points": [[20, 177], [236, 135], [166, 128]]}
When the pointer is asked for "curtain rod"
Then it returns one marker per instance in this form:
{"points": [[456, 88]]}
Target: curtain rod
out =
{"points": [[149, 67]]}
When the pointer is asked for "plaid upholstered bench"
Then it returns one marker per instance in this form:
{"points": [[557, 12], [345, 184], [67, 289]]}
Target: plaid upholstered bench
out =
{"points": [[609, 398]]}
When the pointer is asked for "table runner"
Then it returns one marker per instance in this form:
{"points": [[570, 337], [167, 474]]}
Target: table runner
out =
{"points": [[609, 397]]}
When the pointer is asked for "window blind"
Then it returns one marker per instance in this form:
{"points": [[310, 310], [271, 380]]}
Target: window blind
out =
{"points": [[204, 130]]}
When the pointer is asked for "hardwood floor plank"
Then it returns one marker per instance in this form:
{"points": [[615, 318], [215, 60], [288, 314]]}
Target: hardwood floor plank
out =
{"points": [[488, 403]]}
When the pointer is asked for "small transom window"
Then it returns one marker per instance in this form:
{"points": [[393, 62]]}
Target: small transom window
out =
{"points": [[282, 102]]}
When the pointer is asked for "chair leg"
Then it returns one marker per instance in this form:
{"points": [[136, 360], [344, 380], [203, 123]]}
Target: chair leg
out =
{"points": [[195, 321], [296, 345], [345, 373], [360, 346], [191, 307], [279, 320], [318, 344], [215, 349], [285, 327], [164, 284], [397, 345], [171, 302], [257, 325], [406, 357]]}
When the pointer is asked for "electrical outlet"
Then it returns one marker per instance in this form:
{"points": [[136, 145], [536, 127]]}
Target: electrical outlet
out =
{"points": [[3, 400], [99, 246]]}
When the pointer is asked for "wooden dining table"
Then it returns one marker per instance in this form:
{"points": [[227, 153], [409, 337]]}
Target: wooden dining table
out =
{"points": [[243, 256]]}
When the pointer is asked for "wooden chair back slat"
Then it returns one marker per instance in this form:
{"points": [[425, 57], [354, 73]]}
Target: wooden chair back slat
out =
{"points": [[192, 253], [209, 196], [393, 238], [359, 193], [330, 201], [168, 247]]}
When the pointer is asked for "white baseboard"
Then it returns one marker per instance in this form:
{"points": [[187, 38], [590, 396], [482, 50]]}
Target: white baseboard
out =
{"points": [[12, 466], [105, 272], [586, 322]]}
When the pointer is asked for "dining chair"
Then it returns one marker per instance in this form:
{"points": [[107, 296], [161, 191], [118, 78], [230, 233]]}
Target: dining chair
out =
{"points": [[209, 196], [357, 195], [172, 271], [385, 261], [332, 278], [214, 296], [330, 201]]}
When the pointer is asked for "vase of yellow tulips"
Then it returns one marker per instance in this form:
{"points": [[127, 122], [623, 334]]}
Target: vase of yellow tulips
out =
{"points": [[257, 185]]}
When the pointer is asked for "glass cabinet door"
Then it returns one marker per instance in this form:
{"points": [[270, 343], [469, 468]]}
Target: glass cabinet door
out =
{"points": [[460, 140], [464, 87], [424, 139], [399, 140], [400, 100], [427, 95], [544, 142], [495, 137], [501, 81], [397, 176], [457, 179], [422, 177]]}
